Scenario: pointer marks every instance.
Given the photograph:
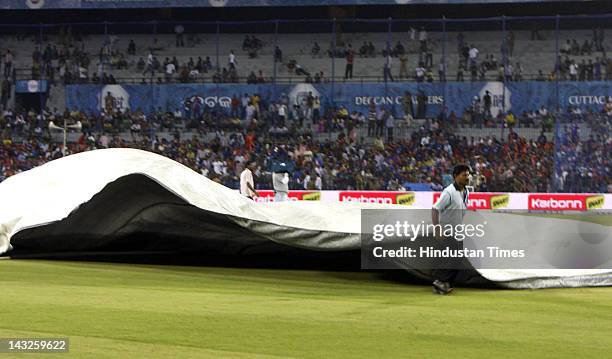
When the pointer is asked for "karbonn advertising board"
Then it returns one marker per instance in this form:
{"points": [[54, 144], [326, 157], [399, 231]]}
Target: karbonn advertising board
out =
{"points": [[553, 202], [403, 198], [484, 200], [268, 196], [565, 202]]}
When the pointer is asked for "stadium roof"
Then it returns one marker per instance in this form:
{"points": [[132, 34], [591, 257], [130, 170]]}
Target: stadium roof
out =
{"points": [[124, 4]]}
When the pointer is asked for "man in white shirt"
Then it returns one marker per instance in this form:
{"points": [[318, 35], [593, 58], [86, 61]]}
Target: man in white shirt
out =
{"points": [[573, 69], [423, 39], [473, 55], [450, 209], [420, 74], [150, 68], [247, 185], [232, 60], [282, 112], [170, 70]]}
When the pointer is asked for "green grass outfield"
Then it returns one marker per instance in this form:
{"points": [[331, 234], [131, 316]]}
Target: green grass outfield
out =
{"points": [[146, 311]]}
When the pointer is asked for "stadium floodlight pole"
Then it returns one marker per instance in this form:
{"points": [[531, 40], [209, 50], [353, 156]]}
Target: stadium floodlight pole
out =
{"points": [[388, 51], [333, 74], [274, 55], [43, 70], [104, 57], [217, 41], [53, 126], [506, 53], [444, 41], [557, 63]]}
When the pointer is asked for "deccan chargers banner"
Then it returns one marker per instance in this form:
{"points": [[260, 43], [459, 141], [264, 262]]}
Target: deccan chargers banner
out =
{"points": [[119, 4], [427, 98]]}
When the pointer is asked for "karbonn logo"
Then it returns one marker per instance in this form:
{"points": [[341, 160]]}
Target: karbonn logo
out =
{"points": [[557, 204], [403, 198], [500, 201], [364, 199], [564, 202], [268, 196]]}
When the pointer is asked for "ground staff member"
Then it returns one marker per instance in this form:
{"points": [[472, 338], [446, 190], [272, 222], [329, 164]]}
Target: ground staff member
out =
{"points": [[247, 184], [450, 209]]}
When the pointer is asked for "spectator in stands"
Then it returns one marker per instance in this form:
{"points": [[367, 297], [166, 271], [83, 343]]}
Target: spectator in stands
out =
{"points": [[575, 48], [252, 78], [597, 69], [518, 72], [371, 49], [460, 71], [582, 69], [420, 73], [567, 48], [260, 78], [8, 63], [232, 60], [389, 125], [278, 54], [473, 56], [460, 42], [387, 68], [399, 49], [442, 70], [403, 58], [363, 50], [140, 65], [508, 72], [474, 71], [350, 58], [150, 65], [131, 50], [573, 70], [487, 102], [207, 64], [586, 48], [6, 92], [194, 74], [423, 40], [299, 70], [429, 55], [179, 30], [511, 43], [170, 69], [316, 49]]}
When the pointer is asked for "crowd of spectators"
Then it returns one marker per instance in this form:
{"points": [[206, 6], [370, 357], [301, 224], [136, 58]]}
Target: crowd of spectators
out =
{"points": [[219, 142], [68, 61], [582, 166], [424, 157]]}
